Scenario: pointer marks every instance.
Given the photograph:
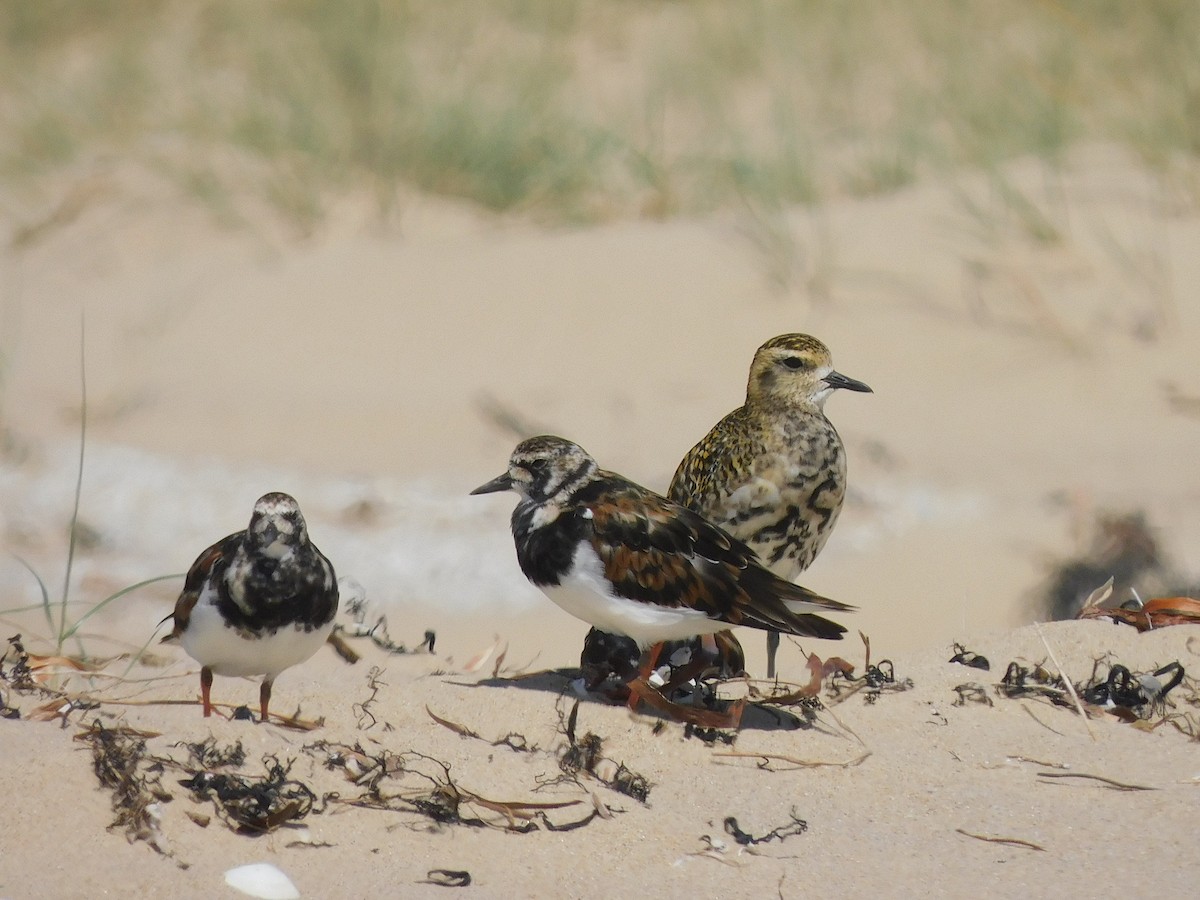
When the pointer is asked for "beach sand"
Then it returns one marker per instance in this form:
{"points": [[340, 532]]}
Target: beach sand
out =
{"points": [[1020, 390]]}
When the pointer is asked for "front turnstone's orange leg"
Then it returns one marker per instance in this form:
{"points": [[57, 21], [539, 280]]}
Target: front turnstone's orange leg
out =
{"points": [[649, 661], [264, 697], [206, 677]]}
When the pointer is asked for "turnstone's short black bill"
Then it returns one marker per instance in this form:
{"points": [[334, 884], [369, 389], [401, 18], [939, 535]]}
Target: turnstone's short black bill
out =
{"points": [[257, 602], [773, 472], [630, 561]]}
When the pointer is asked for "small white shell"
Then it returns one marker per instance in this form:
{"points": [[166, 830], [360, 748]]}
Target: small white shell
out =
{"points": [[262, 880]]}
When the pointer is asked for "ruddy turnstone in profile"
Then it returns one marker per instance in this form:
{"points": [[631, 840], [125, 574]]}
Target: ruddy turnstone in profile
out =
{"points": [[773, 472], [257, 602], [631, 562]]}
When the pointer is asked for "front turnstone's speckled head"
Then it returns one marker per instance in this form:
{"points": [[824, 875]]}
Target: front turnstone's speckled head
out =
{"points": [[276, 523], [795, 369]]}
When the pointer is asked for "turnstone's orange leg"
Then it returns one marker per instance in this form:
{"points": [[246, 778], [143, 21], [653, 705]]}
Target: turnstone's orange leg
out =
{"points": [[264, 697], [649, 660], [206, 689]]}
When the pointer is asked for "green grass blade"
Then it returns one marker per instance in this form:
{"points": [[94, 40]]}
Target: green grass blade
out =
{"points": [[62, 612], [70, 632], [45, 593]]}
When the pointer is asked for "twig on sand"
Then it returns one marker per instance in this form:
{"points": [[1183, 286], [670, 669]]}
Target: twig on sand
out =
{"points": [[1033, 716], [1012, 842], [1115, 785], [767, 758], [1066, 681]]}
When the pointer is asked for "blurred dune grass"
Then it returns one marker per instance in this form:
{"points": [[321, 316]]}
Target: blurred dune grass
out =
{"points": [[587, 110]]}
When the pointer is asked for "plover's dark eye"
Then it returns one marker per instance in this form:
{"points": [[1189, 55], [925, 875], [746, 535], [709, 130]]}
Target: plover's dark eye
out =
{"points": [[794, 362]]}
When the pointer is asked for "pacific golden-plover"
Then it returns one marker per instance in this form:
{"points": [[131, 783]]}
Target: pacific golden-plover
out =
{"points": [[773, 472]]}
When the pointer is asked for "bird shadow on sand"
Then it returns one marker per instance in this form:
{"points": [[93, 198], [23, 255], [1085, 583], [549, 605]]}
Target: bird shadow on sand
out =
{"points": [[756, 716]]}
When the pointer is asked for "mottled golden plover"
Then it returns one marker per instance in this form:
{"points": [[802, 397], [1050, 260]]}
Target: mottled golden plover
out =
{"points": [[773, 472]]}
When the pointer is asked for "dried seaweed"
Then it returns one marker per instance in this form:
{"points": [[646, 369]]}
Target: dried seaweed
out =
{"points": [[1012, 842], [359, 609], [362, 711], [586, 755], [512, 740], [783, 832], [1108, 782], [1157, 613], [447, 878], [119, 760], [359, 767], [207, 754], [439, 799], [966, 657], [972, 692], [1142, 699], [254, 805], [1033, 681], [20, 675]]}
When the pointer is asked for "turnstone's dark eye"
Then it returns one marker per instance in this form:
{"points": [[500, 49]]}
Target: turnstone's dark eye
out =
{"points": [[794, 362], [537, 465]]}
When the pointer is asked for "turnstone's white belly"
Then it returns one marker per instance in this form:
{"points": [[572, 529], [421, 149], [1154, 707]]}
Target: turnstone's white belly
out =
{"points": [[586, 594], [228, 651]]}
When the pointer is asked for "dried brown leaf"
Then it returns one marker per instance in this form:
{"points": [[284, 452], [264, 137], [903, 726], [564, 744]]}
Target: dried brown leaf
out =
{"points": [[1012, 842], [453, 726]]}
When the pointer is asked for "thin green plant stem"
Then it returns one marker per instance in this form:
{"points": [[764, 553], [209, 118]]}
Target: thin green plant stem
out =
{"points": [[45, 593], [62, 618], [109, 599], [133, 660]]}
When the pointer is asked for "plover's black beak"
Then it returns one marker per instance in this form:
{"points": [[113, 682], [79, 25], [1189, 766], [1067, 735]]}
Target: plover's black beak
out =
{"points": [[503, 483], [838, 380]]}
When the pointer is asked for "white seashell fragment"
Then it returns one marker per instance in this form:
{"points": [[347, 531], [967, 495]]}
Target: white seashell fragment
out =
{"points": [[262, 880]]}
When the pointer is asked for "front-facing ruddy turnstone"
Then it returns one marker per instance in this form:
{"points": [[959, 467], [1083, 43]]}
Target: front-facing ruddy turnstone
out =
{"points": [[631, 562], [773, 472], [257, 602]]}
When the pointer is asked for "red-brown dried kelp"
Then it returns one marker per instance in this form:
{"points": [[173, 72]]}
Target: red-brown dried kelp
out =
{"points": [[1157, 613]]}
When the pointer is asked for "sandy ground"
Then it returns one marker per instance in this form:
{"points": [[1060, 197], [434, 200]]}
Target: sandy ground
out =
{"points": [[1020, 388]]}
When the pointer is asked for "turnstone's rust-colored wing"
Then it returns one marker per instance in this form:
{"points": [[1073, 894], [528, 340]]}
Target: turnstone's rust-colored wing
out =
{"points": [[193, 584], [657, 552]]}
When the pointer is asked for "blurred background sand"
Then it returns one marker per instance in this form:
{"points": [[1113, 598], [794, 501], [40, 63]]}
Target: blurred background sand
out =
{"points": [[354, 250], [352, 253]]}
